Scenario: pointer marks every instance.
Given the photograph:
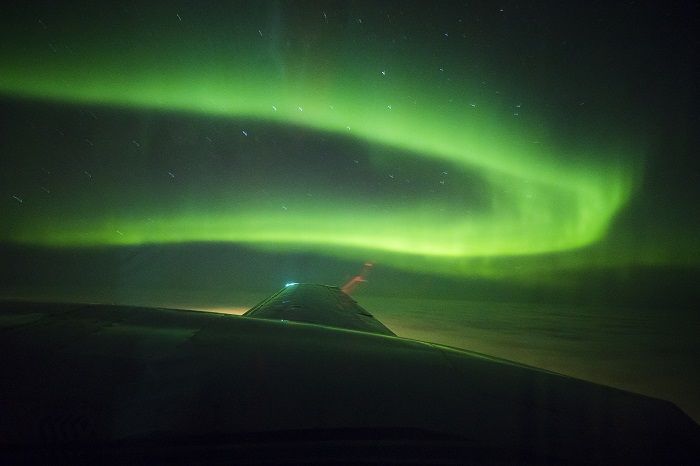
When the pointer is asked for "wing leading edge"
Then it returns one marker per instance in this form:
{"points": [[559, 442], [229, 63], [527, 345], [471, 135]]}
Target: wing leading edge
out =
{"points": [[318, 304]]}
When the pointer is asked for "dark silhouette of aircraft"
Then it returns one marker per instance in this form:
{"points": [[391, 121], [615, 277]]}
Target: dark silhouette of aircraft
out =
{"points": [[305, 377]]}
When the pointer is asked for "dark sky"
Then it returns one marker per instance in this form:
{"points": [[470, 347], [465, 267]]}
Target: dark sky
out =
{"points": [[544, 149]]}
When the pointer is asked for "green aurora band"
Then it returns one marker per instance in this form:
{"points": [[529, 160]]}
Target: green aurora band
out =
{"points": [[545, 198]]}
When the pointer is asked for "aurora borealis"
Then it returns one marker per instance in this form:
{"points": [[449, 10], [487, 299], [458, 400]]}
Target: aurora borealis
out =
{"points": [[539, 195], [463, 146]]}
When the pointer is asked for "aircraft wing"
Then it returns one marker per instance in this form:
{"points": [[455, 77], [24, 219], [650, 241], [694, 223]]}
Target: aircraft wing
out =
{"points": [[97, 384], [318, 304]]}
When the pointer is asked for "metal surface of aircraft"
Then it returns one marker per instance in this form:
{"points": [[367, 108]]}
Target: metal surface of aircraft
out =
{"points": [[305, 377]]}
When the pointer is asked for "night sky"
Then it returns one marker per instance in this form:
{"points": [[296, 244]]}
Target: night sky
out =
{"points": [[195, 154]]}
